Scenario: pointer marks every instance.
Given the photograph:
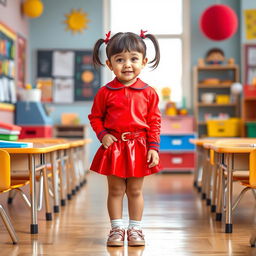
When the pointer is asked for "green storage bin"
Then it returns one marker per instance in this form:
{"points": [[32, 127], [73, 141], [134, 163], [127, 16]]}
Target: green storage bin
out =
{"points": [[251, 130]]}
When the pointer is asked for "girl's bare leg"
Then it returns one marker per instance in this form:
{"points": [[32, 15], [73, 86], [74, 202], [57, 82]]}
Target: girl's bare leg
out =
{"points": [[135, 197], [116, 192]]}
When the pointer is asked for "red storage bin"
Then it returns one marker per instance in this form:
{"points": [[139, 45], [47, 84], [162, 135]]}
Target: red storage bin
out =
{"points": [[177, 161], [249, 91], [36, 132]]}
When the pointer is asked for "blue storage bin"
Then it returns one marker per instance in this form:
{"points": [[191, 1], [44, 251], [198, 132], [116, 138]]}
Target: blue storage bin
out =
{"points": [[31, 113], [176, 142]]}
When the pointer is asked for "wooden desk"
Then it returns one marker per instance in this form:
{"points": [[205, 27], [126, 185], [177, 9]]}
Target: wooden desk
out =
{"points": [[234, 155], [27, 161]]}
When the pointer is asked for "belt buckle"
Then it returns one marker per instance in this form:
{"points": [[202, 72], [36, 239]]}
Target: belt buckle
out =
{"points": [[123, 136]]}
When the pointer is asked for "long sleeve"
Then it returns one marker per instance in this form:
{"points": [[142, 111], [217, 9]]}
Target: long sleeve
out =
{"points": [[154, 122], [97, 115]]}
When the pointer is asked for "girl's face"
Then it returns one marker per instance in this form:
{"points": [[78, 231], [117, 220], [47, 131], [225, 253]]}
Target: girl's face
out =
{"points": [[127, 66]]}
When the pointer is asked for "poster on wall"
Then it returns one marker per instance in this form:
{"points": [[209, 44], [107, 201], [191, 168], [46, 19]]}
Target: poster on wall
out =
{"points": [[87, 79], [21, 61], [72, 72], [250, 24]]}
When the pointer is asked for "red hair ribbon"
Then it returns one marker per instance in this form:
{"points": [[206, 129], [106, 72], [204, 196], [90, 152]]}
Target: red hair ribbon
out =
{"points": [[142, 33], [106, 40]]}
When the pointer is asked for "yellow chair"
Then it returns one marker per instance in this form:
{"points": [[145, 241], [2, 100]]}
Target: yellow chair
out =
{"points": [[7, 185]]}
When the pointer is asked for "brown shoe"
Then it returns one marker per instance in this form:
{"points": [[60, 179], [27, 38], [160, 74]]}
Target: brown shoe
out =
{"points": [[116, 237], [135, 237]]}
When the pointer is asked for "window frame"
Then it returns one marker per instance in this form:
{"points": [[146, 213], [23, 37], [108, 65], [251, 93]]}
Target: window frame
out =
{"points": [[185, 41]]}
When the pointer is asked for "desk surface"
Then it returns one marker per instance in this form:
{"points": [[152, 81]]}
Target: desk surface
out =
{"points": [[46, 146], [239, 145]]}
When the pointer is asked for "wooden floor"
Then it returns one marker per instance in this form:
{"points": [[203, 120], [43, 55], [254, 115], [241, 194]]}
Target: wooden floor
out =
{"points": [[176, 222]]}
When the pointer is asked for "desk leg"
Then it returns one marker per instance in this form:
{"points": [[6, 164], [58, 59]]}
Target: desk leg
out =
{"points": [[32, 172], [69, 178], [214, 184], [56, 207], [229, 194]]}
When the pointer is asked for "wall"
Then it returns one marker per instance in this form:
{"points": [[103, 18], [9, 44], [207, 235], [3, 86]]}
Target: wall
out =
{"points": [[11, 16], [246, 4], [200, 44], [48, 31]]}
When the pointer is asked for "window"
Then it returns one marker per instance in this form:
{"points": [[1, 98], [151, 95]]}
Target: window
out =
{"points": [[164, 19]]}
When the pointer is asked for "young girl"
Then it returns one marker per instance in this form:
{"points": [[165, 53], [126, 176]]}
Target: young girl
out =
{"points": [[126, 120]]}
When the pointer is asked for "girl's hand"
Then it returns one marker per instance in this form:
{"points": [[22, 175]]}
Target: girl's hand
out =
{"points": [[108, 139], [152, 157]]}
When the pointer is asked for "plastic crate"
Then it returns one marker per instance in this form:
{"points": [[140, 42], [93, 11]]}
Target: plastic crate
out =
{"points": [[251, 130], [249, 91], [224, 128], [36, 132], [222, 99]]}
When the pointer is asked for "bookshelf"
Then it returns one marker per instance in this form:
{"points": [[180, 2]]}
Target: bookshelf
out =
{"points": [[215, 80]]}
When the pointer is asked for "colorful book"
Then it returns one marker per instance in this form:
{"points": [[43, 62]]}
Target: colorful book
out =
{"points": [[9, 137], [16, 144], [11, 127], [5, 131]]}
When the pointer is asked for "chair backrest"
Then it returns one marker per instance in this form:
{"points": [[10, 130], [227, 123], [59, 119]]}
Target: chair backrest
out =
{"points": [[5, 170], [252, 175]]}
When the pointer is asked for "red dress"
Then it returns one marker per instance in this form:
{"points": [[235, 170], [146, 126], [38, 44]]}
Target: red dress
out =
{"points": [[118, 109]]}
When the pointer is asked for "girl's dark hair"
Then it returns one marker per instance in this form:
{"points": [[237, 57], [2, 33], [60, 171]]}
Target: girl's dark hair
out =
{"points": [[126, 42]]}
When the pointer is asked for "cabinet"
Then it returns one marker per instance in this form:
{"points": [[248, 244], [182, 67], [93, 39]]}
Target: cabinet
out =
{"points": [[249, 111], [176, 152], [71, 131], [212, 94], [249, 63]]}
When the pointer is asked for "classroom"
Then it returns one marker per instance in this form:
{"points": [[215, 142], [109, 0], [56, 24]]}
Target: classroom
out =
{"points": [[127, 128]]}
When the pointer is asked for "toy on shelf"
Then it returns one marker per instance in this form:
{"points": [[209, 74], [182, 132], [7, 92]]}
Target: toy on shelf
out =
{"points": [[166, 93], [215, 56], [70, 119], [170, 109], [30, 93]]}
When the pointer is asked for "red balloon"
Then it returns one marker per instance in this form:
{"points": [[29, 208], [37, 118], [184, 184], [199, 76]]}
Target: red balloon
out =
{"points": [[219, 22]]}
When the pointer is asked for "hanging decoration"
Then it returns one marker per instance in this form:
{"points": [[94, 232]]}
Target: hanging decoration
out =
{"points": [[33, 8], [218, 22], [76, 21]]}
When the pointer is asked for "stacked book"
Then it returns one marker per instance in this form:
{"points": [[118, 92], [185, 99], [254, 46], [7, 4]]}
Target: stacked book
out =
{"points": [[9, 134]]}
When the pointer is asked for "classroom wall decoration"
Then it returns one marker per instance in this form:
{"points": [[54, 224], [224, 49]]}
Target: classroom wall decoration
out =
{"points": [[76, 21], [21, 61], [218, 22], [7, 65], [250, 24], [68, 75]]}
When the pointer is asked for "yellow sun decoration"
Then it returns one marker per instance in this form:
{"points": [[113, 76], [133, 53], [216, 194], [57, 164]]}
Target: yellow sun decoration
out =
{"points": [[76, 21]]}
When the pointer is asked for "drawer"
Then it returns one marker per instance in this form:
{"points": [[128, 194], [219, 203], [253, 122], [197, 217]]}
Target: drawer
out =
{"points": [[181, 161], [176, 142], [177, 125]]}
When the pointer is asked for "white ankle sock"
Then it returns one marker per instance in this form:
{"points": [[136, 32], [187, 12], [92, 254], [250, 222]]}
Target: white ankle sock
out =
{"points": [[134, 224], [117, 223]]}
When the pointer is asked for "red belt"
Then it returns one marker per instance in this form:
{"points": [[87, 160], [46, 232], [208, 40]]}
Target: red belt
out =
{"points": [[128, 135]]}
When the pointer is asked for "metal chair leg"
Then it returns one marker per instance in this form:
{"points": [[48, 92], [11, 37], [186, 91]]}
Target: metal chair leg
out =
{"points": [[8, 225]]}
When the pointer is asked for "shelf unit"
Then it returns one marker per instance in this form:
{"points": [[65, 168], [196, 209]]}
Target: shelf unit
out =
{"points": [[224, 75], [249, 111], [176, 152]]}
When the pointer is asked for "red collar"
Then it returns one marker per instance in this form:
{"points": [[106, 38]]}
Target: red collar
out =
{"points": [[116, 84]]}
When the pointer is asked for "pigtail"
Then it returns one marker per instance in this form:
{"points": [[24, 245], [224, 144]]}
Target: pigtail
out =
{"points": [[156, 60], [96, 59]]}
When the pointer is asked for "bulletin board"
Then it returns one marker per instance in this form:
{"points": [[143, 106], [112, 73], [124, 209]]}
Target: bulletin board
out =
{"points": [[7, 64], [67, 76]]}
